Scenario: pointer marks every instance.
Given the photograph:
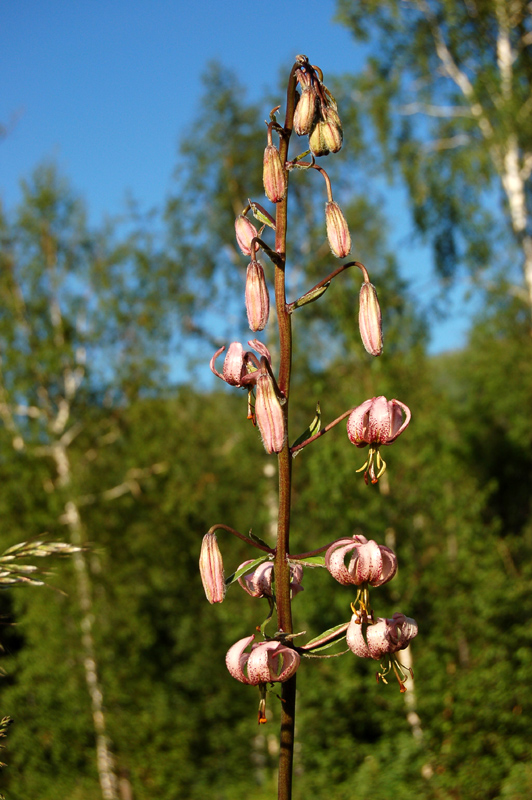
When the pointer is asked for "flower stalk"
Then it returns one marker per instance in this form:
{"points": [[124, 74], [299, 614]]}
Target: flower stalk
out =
{"points": [[275, 576]]}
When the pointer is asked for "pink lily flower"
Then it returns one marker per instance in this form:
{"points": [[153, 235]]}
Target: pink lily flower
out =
{"points": [[259, 582], [268, 662], [370, 562], [239, 366], [377, 421], [384, 637]]}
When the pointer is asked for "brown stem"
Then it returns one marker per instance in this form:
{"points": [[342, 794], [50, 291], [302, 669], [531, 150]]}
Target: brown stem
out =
{"points": [[220, 526], [281, 565]]}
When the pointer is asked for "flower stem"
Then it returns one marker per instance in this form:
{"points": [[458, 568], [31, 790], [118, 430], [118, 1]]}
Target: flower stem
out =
{"points": [[281, 565]]}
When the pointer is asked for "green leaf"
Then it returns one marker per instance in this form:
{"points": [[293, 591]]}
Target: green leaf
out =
{"points": [[257, 539], [330, 632], [313, 428], [311, 561], [261, 214], [309, 297]]}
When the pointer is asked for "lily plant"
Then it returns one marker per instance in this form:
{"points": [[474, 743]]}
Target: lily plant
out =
{"points": [[276, 574]]}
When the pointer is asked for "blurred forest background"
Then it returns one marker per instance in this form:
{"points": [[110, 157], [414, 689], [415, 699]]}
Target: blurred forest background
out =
{"points": [[115, 676]]}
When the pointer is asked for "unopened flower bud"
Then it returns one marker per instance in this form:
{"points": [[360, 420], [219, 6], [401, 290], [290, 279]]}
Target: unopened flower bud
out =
{"points": [[305, 111], [212, 569], [245, 233], [369, 319], [337, 230], [269, 414], [274, 175], [327, 136], [257, 297]]}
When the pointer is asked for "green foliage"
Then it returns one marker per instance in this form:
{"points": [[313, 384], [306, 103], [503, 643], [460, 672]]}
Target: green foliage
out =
{"points": [[152, 472], [444, 110]]}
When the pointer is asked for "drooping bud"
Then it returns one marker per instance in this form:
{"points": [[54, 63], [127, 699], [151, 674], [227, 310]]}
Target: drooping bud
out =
{"points": [[269, 414], [212, 569], [370, 320], [245, 233], [327, 136], [274, 175], [305, 111], [337, 230], [257, 297]]}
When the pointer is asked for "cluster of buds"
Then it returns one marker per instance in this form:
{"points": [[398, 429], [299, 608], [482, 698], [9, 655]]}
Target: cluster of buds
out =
{"points": [[316, 114]]}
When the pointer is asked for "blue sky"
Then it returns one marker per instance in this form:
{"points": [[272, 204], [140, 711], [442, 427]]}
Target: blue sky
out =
{"points": [[107, 87]]}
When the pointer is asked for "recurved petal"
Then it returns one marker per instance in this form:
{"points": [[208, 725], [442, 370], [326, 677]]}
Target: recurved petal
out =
{"points": [[379, 421], [358, 424], [401, 631], [397, 424], [261, 349], [389, 565], [335, 561], [213, 361], [236, 659], [289, 659]]}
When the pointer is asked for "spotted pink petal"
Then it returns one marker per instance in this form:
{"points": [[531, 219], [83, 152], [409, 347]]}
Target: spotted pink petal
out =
{"points": [[335, 560], [375, 643], [373, 563], [357, 424], [236, 659], [272, 662]]}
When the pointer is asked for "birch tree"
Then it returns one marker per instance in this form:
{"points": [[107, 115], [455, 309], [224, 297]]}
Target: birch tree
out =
{"points": [[448, 89]]}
